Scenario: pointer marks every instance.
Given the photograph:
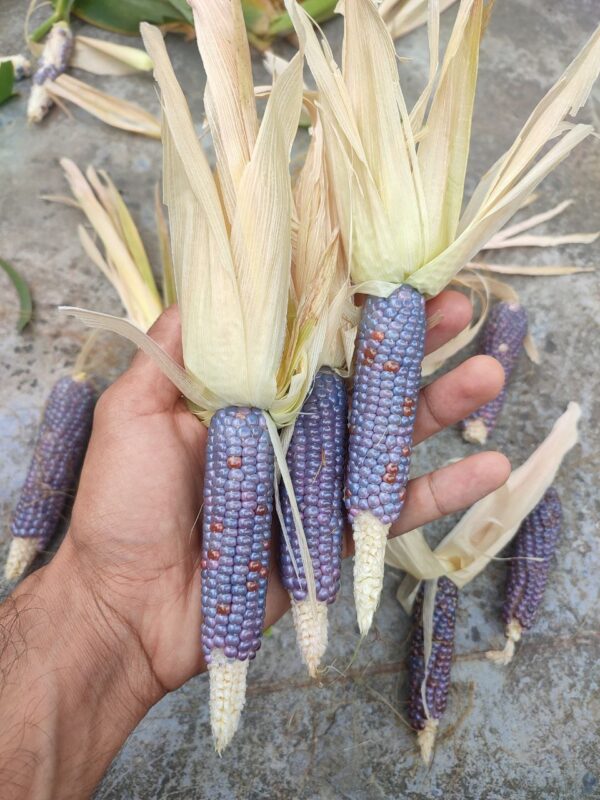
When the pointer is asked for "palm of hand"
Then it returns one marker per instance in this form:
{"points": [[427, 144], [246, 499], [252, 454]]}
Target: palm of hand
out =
{"points": [[135, 530], [134, 527]]}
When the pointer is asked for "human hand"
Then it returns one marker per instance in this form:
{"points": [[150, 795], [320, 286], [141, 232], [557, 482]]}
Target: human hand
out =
{"points": [[135, 534], [90, 642]]}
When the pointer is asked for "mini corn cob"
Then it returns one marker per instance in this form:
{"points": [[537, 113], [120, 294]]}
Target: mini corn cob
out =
{"points": [[238, 507], [315, 458], [58, 453], [534, 548], [503, 339], [429, 684], [53, 62], [389, 351]]}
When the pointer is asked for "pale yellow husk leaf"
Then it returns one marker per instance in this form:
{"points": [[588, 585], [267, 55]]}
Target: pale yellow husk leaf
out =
{"points": [[169, 290], [231, 111], [234, 303], [125, 262], [403, 16], [321, 299], [111, 110], [398, 201], [490, 524], [102, 57]]}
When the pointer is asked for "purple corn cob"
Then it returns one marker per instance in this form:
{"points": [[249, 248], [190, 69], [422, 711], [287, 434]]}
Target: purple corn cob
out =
{"points": [[389, 351], [503, 339], [52, 63], [238, 507], [534, 548], [437, 680], [53, 470], [316, 458]]}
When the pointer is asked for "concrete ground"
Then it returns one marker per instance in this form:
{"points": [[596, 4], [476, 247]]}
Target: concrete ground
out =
{"points": [[528, 732]]}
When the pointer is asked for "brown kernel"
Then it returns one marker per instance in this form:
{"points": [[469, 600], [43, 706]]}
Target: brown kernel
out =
{"points": [[402, 494], [234, 462], [254, 566], [369, 352], [252, 586], [391, 467], [213, 555], [203, 563], [261, 510], [264, 572], [216, 526], [405, 450], [391, 366], [390, 477], [378, 336], [223, 608]]}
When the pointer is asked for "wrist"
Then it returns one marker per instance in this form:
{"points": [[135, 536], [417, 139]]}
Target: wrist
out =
{"points": [[76, 683]]}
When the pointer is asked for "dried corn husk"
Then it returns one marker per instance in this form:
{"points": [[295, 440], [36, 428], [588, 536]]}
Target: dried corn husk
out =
{"points": [[168, 270], [111, 110], [490, 524], [403, 16], [103, 57], [398, 202], [124, 262], [475, 276]]}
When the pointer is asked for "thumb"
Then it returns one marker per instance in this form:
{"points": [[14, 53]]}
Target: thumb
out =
{"points": [[144, 384]]}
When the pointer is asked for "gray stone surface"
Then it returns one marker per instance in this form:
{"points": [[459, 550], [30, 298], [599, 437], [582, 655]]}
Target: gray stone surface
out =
{"points": [[528, 732]]}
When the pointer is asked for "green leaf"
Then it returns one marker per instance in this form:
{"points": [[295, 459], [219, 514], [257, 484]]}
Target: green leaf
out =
{"points": [[125, 16], [7, 80], [319, 10], [23, 292]]}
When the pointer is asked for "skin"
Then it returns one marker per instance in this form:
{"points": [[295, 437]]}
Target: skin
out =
{"points": [[91, 641]]}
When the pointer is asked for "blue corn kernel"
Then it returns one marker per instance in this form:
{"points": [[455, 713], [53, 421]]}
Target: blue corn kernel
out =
{"points": [[437, 681], [315, 460], [59, 450], [389, 351], [503, 338], [533, 552], [237, 439]]}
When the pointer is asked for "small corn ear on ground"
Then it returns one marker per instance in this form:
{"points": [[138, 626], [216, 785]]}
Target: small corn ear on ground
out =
{"points": [[503, 339], [238, 507], [53, 470], [52, 63], [389, 351], [534, 548], [431, 682], [316, 458]]}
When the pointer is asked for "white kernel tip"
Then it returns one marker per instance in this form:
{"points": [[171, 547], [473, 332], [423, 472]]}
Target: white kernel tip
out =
{"points": [[426, 740], [227, 696], [513, 634], [21, 555], [475, 431], [370, 539], [310, 623]]}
